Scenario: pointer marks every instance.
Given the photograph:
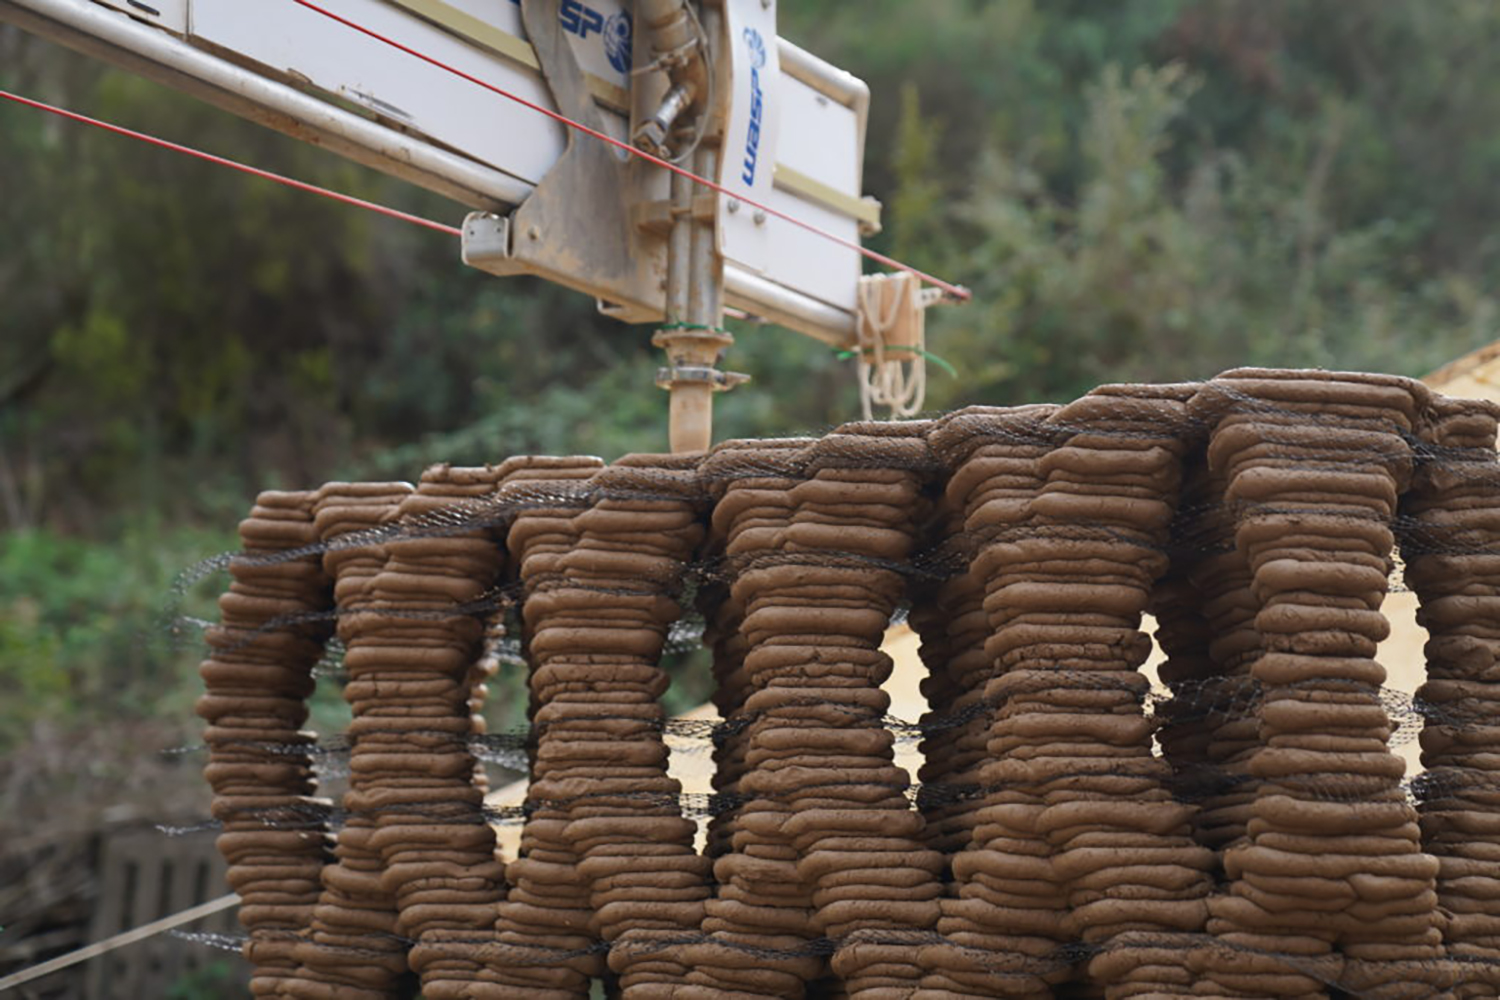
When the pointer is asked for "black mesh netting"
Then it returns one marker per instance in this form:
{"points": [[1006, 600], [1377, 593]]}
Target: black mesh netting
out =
{"points": [[1243, 830]]}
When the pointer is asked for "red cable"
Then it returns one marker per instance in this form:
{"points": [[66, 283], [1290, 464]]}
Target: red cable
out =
{"points": [[954, 291], [235, 165]]}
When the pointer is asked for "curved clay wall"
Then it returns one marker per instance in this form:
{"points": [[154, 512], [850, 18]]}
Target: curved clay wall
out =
{"points": [[1070, 834]]}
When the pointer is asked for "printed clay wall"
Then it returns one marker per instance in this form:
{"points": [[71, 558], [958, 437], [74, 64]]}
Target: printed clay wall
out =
{"points": [[1072, 834]]}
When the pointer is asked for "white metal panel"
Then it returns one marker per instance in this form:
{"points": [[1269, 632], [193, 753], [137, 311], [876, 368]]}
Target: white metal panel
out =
{"points": [[600, 32], [828, 148], [827, 79], [793, 310], [288, 38], [502, 14], [799, 127], [100, 32], [808, 263], [819, 138], [169, 14], [752, 132]]}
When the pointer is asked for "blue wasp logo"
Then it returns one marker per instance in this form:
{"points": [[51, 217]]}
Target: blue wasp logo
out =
{"points": [[578, 18], [757, 46], [617, 36]]}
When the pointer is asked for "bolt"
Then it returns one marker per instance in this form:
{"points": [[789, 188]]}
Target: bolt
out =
{"points": [[766, 4], [760, 217], [734, 205], [533, 233]]}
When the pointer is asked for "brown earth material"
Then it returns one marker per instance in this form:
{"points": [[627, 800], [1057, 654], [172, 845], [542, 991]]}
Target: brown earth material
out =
{"points": [[1266, 850]]}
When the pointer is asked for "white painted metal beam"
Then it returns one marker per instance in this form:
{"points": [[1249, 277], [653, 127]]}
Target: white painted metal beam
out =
{"points": [[115, 38], [789, 308], [275, 63]]}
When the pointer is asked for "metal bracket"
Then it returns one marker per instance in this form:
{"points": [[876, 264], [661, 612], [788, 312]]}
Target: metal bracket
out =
{"points": [[674, 376], [691, 376], [486, 244], [577, 228], [692, 353]]}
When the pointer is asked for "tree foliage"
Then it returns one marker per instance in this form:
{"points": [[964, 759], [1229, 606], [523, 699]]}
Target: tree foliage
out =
{"points": [[1157, 189]]}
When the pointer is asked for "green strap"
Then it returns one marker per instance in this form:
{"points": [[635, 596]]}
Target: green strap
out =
{"points": [[847, 353], [705, 327]]}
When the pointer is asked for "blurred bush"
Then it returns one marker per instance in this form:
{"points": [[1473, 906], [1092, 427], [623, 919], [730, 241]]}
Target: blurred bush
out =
{"points": [[1149, 190]]}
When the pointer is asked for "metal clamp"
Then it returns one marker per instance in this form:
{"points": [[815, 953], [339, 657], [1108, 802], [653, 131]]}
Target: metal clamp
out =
{"points": [[692, 377], [673, 376]]}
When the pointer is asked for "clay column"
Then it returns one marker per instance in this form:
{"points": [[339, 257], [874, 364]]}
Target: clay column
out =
{"points": [[607, 617], [949, 616], [1332, 879], [258, 677], [1002, 920], [1074, 726], [542, 947], [1450, 542], [823, 748], [410, 687], [759, 923], [1205, 612], [351, 947]]}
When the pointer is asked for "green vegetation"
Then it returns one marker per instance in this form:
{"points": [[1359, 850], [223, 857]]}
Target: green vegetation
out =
{"points": [[216, 979], [81, 635], [1150, 189]]}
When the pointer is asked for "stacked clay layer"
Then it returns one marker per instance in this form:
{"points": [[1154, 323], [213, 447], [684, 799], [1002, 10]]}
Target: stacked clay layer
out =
{"points": [[1245, 833], [257, 679], [349, 949], [1321, 890], [1452, 553]]}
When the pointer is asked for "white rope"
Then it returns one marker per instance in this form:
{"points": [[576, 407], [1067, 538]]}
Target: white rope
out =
{"points": [[895, 383], [118, 941]]}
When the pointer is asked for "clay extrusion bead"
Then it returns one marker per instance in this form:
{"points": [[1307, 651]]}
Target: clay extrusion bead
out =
{"points": [[1311, 465], [465, 952], [257, 679], [601, 778], [1452, 525], [760, 903], [1069, 554], [1245, 833]]}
